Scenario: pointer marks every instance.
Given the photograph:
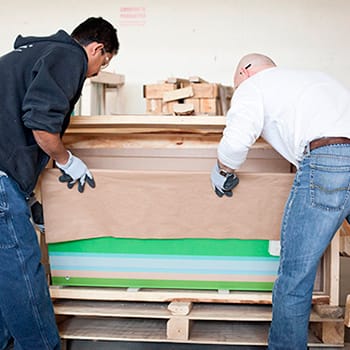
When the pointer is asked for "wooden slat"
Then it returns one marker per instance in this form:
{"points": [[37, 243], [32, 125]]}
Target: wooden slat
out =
{"points": [[178, 94], [113, 329], [103, 123], [200, 311], [167, 295], [347, 312], [345, 239], [111, 309], [183, 108], [334, 268], [180, 82], [225, 333], [196, 79], [156, 91], [108, 78], [159, 295]]}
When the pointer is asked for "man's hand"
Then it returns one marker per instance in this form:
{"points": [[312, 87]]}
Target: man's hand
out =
{"points": [[75, 170], [223, 182]]}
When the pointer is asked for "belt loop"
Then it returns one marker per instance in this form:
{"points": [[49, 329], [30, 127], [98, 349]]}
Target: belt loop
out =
{"points": [[307, 149]]}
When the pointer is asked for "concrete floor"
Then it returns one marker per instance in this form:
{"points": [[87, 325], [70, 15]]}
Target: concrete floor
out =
{"points": [[103, 345]]}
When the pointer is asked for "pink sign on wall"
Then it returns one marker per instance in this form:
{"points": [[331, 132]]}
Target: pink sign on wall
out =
{"points": [[132, 15]]}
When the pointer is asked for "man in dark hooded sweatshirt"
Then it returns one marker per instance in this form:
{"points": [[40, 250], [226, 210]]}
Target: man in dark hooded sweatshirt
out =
{"points": [[41, 80]]}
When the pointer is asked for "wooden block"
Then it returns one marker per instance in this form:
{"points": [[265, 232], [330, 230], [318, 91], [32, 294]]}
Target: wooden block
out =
{"points": [[157, 90], [108, 78], [195, 103], [64, 345], [226, 93], [205, 90], [223, 291], [178, 94], [328, 311], [345, 239], [180, 82], [210, 106], [178, 328], [183, 108], [347, 312], [154, 106], [196, 79], [329, 332], [178, 308], [168, 108]]}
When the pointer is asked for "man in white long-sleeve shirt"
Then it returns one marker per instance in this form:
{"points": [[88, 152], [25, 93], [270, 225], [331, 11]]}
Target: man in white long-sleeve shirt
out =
{"points": [[305, 116]]}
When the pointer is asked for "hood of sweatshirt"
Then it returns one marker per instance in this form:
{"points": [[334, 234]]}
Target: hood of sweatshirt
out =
{"points": [[60, 37]]}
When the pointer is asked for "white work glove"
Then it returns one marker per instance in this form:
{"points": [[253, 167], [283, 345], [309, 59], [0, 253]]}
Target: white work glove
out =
{"points": [[223, 182], [75, 170]]}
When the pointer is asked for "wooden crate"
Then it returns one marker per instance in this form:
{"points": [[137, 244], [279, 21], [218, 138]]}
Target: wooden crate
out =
{"points": [[124, 141]]}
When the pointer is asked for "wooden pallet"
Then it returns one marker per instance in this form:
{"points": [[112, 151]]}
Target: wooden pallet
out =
{"points": [[181, 319]]}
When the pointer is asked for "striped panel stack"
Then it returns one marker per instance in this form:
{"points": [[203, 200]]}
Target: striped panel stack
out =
{"points": [[230, 264]]}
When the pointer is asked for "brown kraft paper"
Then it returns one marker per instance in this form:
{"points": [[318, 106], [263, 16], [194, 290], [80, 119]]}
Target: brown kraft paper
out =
{"points": [[165, 205]]}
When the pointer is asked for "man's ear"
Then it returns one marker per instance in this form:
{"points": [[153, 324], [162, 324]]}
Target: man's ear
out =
{"points": [[94, 48]]}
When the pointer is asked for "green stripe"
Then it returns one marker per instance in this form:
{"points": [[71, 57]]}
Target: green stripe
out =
{"points": [[188, 246], [145, 283]]}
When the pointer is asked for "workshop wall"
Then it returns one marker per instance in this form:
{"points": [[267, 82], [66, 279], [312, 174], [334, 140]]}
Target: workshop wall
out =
{"points": [[163, 38]]}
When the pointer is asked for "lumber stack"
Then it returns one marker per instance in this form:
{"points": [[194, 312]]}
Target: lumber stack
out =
{"points": [[193, 96]]}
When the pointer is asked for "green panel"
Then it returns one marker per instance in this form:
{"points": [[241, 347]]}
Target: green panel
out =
{"points": [[141, 283], [188, 246]]}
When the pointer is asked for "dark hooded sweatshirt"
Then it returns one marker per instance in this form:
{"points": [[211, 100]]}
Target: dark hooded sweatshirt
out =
{"points": [[41, 80]]}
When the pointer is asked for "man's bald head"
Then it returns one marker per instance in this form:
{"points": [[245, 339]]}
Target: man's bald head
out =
{"points": [[251, 64]]}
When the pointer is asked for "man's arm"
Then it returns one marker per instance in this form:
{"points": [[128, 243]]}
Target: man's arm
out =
{"points": [[73, 169], [52, 145], [226, 168]]}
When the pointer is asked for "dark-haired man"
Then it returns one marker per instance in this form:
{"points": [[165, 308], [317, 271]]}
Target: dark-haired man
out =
{"points": [[41, 80]]}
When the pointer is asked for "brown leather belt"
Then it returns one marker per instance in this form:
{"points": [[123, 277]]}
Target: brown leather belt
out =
{"points": [[324, 141]]}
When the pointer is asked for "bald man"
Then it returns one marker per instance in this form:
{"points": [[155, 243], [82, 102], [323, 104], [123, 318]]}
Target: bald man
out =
{"points": [[305, 116]]}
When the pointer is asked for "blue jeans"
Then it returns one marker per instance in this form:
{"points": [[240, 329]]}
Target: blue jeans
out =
{"points": [[318, 203], [26, 312]]}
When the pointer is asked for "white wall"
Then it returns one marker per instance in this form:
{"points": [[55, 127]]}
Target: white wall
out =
{"points": [[197, 37]]}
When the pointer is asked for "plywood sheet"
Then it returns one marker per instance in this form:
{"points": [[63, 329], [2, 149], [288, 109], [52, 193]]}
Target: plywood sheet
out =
{"points": [[163, 205]]}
